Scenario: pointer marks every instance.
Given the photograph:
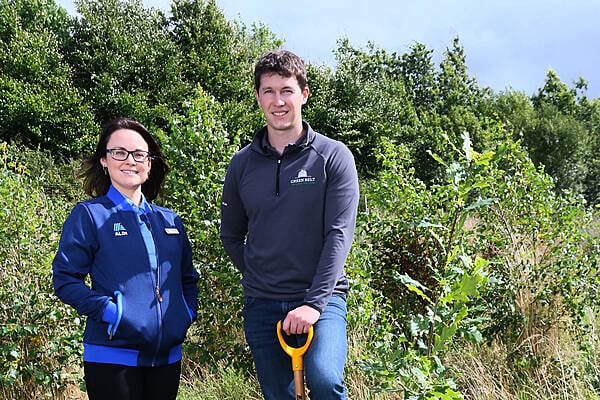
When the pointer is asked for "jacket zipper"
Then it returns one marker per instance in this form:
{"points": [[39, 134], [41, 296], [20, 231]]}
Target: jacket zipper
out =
{"points": [[159, 311], [158, 296], [277, 177]]}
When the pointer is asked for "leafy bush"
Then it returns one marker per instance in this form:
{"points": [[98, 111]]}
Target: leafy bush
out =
{"points": [[39, 104], [545, 258], [425, 266], [198, 150], [39, 335], [492, 253]]}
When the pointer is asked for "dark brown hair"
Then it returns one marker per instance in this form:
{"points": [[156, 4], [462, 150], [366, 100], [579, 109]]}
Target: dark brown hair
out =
{"points": [[96, 182], [281, 62]]}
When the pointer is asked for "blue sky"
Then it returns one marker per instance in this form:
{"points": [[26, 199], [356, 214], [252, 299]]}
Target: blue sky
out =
{"points": [[508, 43]]}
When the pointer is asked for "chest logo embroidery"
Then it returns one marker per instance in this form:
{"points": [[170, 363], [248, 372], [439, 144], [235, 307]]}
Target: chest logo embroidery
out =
{"points": [[303, 179], [119, 229]]}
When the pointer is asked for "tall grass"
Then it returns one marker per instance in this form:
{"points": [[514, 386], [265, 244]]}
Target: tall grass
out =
{"points": [[218, 383], [557, 366]]}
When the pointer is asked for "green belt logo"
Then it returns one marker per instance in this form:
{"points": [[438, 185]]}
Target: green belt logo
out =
{"points": [[303, 179]]}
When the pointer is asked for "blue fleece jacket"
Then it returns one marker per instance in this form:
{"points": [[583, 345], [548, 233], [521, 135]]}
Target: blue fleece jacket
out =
{"points": [[288, 220], [143, 294]]}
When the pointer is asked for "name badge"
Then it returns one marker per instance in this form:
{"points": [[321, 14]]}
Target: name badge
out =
{"points": [[172, 231]]}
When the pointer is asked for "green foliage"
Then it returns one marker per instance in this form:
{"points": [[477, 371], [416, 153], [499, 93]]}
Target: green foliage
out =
{"points": [[456, 88], [198, 150], [455, 111], [559, 138], [415, 104], [39, 105], [219, 54], [468, 259], [427, 243], [546, 259], [557, 128], [124, 60], [341, 104], [60, 77], [418, 74], [592, 183], [39, 336]]}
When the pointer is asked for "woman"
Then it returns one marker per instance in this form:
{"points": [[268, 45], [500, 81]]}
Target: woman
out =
{"points": [[143, 292]]}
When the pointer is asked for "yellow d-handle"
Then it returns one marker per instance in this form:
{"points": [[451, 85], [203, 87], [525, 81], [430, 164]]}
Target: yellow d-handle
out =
{"points": [[295, 352]]}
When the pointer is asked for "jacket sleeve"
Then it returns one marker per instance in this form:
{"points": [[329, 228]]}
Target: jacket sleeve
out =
{"points": [[234, 220], [341, 204], [189, 275], [73, 261]]}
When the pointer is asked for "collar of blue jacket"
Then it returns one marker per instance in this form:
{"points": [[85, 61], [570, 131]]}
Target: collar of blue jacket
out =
{"points": [[123, 203]]}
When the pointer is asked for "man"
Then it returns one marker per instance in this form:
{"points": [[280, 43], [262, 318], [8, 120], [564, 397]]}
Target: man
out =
{"points": [[288, 209]]}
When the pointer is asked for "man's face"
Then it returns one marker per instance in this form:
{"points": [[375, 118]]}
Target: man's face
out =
{"points": [[281, 100]]}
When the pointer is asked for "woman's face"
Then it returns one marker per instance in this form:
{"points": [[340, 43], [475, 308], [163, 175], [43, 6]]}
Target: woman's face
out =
{"points": [[127, 176]]}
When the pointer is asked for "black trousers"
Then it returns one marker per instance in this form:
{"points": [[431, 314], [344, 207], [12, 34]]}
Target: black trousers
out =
{"points": [[119, 382]]}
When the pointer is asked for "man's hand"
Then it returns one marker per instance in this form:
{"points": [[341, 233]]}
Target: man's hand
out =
{"points": [[299, 320]]}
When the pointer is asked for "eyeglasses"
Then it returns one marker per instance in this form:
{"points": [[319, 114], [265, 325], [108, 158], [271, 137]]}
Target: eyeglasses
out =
{"points": [[122, 155]]}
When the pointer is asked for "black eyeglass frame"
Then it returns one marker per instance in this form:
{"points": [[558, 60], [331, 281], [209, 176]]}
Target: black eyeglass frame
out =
{"points": [[135, 154]]}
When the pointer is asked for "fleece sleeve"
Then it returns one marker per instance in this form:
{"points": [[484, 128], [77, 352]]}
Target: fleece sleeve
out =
{"points": [[341, 206], [73, 261], [234, 221]]}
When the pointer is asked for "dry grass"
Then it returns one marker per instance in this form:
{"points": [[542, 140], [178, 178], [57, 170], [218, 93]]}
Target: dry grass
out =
{"points": [[552, 369], [72, 392], [221, 383]]}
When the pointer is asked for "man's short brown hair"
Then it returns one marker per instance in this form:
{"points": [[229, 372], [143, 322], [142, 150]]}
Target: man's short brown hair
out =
{"points": [[281, 62]]}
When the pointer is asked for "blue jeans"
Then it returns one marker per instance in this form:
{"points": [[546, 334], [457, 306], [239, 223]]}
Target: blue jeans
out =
{"points": [[323, 362]]}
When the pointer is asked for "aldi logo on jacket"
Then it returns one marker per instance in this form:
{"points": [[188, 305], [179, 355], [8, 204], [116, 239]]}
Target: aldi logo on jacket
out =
{"points": [[119, 229]]}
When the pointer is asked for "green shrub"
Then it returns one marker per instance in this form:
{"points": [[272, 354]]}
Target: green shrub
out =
{"points": [[39, 103], [198, 149], [39, 336], [492, 253]]}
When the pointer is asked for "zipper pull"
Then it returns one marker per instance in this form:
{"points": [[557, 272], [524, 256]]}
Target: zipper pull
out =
{"points": [[158, 296]]}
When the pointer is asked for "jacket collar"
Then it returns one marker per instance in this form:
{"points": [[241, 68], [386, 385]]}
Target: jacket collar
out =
{"points": [[123, 203], [261, 144]]}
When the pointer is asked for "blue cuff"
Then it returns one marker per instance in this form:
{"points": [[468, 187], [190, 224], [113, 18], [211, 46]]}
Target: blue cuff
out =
{"points": [[114, 325], [110, 312]]}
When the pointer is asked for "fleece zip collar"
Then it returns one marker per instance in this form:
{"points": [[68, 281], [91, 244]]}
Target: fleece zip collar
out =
{"points": [[260, 142]]}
